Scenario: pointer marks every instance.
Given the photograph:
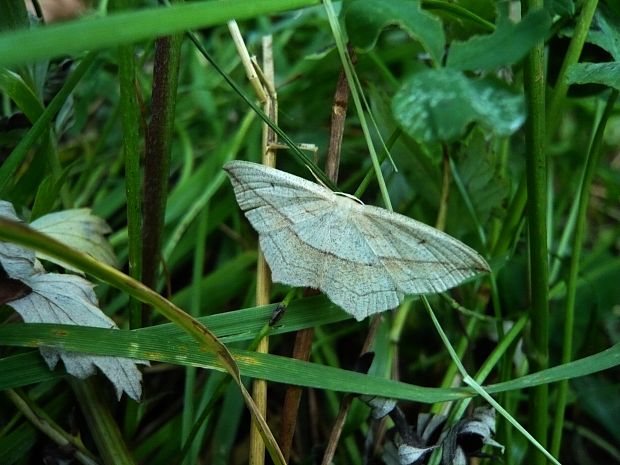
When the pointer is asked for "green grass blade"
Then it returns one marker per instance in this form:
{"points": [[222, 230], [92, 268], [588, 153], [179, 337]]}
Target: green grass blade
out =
{"points": [[95, 33]]}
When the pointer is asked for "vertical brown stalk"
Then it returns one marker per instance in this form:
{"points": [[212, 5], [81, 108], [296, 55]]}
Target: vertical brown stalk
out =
{"points": [[157, 154], [303, 338]]}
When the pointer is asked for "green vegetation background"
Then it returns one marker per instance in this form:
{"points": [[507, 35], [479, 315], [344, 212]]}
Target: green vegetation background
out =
{"points": [[74, 136]]}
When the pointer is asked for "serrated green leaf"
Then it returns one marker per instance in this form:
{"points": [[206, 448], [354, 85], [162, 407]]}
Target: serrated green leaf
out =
{"points": [[607, 74], [365, 19], [507, 45], [437, 105]]}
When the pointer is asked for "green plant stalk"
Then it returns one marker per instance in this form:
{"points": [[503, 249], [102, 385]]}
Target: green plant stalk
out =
{"points": [[189, 416], [450, 374], [518, 204], [38, 418], [130, 120], [556, 100], [158, 149], [492, 360], [105, 432], [573, 52], [9, 167], [592, 162], [536, 177], [20, 234], [479, 389], [511, 222]]}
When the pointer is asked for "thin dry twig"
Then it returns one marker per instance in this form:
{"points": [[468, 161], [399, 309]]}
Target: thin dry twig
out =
{"points": [[262, 80]]}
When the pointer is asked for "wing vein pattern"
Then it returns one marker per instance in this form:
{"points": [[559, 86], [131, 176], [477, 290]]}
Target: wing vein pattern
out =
{"points": [[364, 258]]}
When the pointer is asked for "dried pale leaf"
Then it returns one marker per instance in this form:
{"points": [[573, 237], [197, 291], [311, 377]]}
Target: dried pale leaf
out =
{"points": [[7, 210], [65, 299], [429, 424], [122, 372], [61, 298], [78, 229], [18, 262], [380, 406], [410, 454], [364, 258], [70, 299]]}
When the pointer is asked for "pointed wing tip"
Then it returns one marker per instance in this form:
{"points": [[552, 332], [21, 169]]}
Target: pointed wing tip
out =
{"points": [[234, 164]]}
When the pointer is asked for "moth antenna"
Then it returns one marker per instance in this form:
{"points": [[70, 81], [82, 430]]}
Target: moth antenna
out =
{"points": [[317, 178]]}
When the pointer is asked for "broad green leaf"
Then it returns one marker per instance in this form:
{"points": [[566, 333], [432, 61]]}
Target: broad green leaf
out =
{"points": [[365, 19], [437, 105], [607, 74], [507, 45], [479, 171]]}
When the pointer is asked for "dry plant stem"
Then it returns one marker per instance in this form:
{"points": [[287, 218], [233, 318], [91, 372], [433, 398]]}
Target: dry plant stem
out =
{"points": [[292, 397], [303, 338], [445, 190], [157, 155], [247, 61], [339, 114], [332, 163], [263, 275], [334, 436]]}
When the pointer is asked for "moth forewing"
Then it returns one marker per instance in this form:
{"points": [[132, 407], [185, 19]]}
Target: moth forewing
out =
{"points": [[364, 258]]}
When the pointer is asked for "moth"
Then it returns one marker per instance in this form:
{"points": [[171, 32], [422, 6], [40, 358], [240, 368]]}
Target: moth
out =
{"points": [[364, 258]]}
